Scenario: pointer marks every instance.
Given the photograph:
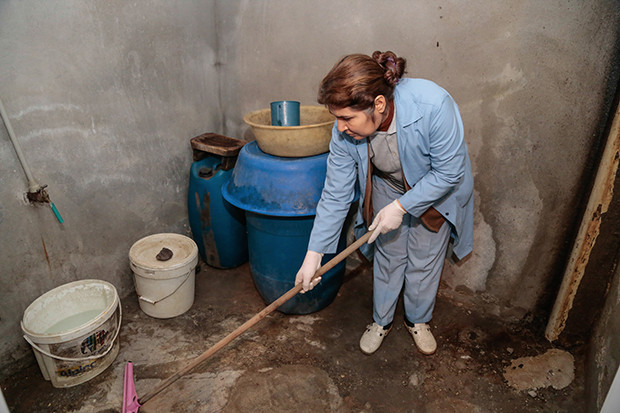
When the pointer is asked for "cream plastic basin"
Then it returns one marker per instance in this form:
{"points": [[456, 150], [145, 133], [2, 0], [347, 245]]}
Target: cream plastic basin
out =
{"points": [[310, 138]]}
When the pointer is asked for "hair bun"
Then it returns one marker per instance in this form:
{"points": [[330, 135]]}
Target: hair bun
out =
{"points": [[357, 79], [393, 65]]}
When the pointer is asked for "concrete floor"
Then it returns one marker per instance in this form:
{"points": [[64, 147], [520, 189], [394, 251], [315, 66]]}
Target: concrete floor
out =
{"points": [[310, 363]]}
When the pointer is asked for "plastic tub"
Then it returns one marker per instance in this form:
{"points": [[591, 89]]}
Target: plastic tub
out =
{"points": [[73, 330], [311, 137]]}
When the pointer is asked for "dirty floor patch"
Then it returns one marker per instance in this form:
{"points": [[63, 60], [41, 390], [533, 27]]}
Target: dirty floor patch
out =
{"points": [[293, 388], [312, 363], [555, 368]]}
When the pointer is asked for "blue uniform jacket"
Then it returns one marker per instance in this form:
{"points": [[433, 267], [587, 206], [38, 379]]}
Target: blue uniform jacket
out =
{"points": [[435, 163]]}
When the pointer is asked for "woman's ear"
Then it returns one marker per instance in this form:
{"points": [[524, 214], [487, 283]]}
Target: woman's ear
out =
{"points": [[380, 104]]}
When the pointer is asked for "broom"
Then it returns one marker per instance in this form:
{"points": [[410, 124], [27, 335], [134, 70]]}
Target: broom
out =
{"points": [[131, 402]]}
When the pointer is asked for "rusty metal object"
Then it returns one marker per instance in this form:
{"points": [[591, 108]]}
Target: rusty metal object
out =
{"points": [[39, 196], [598, 203]]}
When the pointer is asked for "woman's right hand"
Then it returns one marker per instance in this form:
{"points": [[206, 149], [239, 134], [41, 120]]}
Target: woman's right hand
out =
{"points": [[312, 262], [388, 219]]}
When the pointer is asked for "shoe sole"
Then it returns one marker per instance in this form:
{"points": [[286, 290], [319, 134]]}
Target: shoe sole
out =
{"points": [[426, 353]]}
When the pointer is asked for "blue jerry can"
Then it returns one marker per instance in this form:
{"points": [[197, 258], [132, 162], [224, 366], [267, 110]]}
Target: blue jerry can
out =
{"points": [[218, 227]]}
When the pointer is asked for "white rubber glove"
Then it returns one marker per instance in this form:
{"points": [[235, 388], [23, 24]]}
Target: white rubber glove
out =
{"points": [[388, 219], [309, 267]]}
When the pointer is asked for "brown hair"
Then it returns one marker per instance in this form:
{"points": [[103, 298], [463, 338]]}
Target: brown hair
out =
{"points": [[357, 79]]}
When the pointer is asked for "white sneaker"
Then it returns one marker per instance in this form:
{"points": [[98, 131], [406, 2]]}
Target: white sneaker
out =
{"points": [[372, 338], [423, 338]]}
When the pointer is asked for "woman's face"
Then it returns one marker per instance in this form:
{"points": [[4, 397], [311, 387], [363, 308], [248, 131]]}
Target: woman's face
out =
{"points": [[358, 124]]}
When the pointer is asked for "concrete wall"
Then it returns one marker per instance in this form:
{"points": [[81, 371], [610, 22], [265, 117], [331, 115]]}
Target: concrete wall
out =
{"points": [[103, 97], [530, 78], [600, 285], [604, 356]]}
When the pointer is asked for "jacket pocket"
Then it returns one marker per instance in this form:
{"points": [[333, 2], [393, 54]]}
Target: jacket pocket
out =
{"points": [[432, 220]]}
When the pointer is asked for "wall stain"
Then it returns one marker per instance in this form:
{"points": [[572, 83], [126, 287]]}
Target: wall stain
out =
{"points": [[47, 257]]}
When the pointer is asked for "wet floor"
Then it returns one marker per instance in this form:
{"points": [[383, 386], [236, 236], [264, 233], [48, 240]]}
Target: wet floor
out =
{"points": [[312, 363]]}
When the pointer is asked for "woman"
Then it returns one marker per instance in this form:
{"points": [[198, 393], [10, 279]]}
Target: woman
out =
{"points": [[402, 141]]}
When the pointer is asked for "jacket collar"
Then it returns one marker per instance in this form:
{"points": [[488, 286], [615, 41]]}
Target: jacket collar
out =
{"points": [[404, 100]]}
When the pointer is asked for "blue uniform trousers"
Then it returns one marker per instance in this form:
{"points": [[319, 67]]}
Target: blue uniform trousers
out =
{"points": [[412, 256]]}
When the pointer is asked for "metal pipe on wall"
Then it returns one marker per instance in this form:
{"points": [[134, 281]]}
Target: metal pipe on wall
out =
{"points": [[33, 185], [36, 191]]}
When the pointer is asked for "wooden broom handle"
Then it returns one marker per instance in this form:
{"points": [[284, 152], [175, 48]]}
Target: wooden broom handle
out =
{"points": [[259, 316]]}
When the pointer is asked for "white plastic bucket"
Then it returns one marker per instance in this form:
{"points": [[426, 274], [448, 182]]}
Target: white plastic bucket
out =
{"points": [[165, 288], [73, 330]]}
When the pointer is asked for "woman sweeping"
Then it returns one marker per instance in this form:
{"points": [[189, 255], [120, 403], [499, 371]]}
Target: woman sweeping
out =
{"points": [[400, 140]]}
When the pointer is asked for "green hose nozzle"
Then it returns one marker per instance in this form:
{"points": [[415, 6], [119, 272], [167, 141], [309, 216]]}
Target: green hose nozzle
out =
{"points": [[58, 217]]}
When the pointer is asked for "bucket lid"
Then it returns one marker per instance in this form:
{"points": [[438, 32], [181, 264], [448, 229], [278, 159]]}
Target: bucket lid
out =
{"points": [[143, 254], [273, 185]]}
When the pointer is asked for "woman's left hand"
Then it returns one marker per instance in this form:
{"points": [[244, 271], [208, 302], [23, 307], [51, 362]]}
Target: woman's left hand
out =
{"points": [[388, 219], [311, 264]]}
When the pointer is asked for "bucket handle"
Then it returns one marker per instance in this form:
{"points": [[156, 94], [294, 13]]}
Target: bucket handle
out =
{"points": [[105, 353], [151, 301]]}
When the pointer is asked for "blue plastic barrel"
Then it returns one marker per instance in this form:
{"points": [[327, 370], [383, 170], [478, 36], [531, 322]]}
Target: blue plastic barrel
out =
{"points": [[279, 196], [218, 228], [277, 248], [277, 186]]}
